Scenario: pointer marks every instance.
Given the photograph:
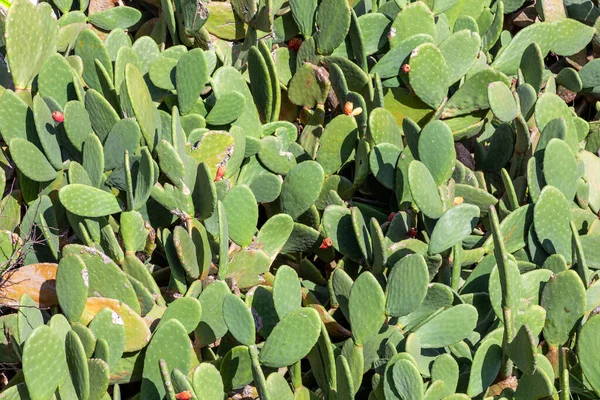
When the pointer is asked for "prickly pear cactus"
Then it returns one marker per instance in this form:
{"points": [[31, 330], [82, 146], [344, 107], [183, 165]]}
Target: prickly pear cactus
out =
{"points": [[303, 199]]}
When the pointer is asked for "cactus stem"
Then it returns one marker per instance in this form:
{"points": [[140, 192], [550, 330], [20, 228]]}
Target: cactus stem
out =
{"points": [[502, 260], [582, 268], [456, 267], [513, 202], [257, 373], [565, 393], [296, 374]]}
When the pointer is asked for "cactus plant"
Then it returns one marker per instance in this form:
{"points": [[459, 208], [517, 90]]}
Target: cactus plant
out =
{"points": [[299, 199]]}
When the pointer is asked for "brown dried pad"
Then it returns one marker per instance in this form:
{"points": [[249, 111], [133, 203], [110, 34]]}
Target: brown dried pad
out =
{"points": [[36, 280]]}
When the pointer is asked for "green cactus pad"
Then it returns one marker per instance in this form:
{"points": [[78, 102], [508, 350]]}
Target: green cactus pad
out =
{"points": [[24, 38], [109, 325], [382, 161], [105, 278], [485, 367], [472, 95], [366, 305], [560, 167], [460, 51], [99, 378], [549, 36], [587, 345], [445, 369], [502, 101], [436, 150], [172, 344], [87, 201], [227, 109], [87, 338], [301, 188], [72, 286], [332, 22], [308, 87], [124, 136], [288, 331], [429, 74], [278, 387], [117, 17], [43, 362], [16, 118], [162, 73], [389, 66], [239, 320], [31, 161], [287, 293], [77, 123], [407, 285], [101, 115], [260, 84], [236, 368], [337, 226], [457, 321], [215, 149], [551, 217], [141, 102], [565, 302], [242, 214], [304, 15], [384, 129], [274, 234], [56, 80], [424, 190], [460, 220], [522, 350], [415, 19], [90, 48], [207, 382], [191, 74], [93, 159], [77, 363], [212, 325]]}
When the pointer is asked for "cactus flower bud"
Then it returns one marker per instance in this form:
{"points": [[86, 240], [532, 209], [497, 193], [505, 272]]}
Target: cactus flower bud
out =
{"points": [[186, 395], [58, 116], [406, 68], [220, 173]]}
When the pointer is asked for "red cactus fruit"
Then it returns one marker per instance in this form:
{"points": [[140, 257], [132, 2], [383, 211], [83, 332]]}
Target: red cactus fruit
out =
{"points": [[294, 44], [348, 108], [406, 68], [326, 244], [220, 173], [391, 216], [186, 395], [412, 233], [58, 116]]}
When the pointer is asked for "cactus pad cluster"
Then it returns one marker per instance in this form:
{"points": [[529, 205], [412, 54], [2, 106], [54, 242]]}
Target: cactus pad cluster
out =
{"points": [[300, 199]]}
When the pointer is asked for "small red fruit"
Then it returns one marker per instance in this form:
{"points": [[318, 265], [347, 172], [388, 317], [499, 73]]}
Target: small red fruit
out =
{"points": [[326, 244], [58, 116], [391, 216], [348, 108], [294, 44], [412, 233], [220, 173], [186, 395], [406, 68]]}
